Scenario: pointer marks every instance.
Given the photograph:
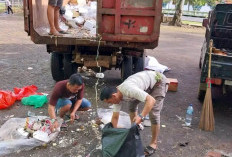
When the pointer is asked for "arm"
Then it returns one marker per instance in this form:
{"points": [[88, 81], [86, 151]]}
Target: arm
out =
{"points": [[149, 103], [75, 108], [114, 119], [52, 114]]}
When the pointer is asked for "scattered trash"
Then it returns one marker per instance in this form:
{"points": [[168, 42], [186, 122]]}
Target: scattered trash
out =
{"points": [[180, 118], [99, 75], [163, 126], [183, 144], [54, 144], [30, 114], [81, 18], [151, 63], [29, 68], [147, 123], [11, 116]]}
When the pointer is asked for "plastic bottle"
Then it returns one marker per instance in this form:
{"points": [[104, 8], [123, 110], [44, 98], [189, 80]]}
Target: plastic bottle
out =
{"points": [[189, 114]]}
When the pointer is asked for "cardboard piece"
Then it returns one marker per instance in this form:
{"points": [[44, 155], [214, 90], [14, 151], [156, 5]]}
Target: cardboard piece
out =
{"points": [[173, 85]]}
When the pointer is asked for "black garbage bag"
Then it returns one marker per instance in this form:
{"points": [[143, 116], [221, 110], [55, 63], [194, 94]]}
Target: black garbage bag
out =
{"points": [[120, 142]]}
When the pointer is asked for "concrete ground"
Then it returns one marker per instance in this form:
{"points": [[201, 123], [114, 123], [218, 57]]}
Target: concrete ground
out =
{"points": [[179, 49]]}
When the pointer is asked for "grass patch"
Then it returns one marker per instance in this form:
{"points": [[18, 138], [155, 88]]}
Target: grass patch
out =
{"points": [[193, 23], [16, 9]]}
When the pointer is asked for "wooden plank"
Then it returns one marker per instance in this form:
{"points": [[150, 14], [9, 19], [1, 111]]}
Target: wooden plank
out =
{"points": [[101, 63]]}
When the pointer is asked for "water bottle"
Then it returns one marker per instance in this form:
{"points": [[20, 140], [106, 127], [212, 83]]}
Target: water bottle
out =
{"points": [[189, 115]]}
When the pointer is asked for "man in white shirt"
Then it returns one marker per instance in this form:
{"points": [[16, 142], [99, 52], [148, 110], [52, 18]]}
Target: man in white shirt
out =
{"points": [[8, 6], [137, 87]]}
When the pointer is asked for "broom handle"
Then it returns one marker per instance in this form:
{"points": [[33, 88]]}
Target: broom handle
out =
{"points": [[210, 52]]}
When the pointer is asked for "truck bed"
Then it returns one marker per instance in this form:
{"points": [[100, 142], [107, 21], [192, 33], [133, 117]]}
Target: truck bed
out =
{"points": [[121, 23]]}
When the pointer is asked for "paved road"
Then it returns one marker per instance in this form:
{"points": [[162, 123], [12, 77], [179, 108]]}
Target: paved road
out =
{"points": [[189, 18]]}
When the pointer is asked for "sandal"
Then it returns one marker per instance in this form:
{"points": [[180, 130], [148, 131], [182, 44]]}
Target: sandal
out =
{"points": [[63, 32], [76, 117], [64, 125], [148, 151]]}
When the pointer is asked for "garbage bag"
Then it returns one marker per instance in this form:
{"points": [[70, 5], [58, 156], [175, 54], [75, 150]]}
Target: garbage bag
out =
{"points": [[7, 99], [25, 91], [35, 100], [121, 142]]}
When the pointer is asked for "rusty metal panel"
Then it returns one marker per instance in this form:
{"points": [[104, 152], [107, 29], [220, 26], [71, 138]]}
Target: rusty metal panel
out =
{"points": [[137, 25], [108, 23], [134, 20]]}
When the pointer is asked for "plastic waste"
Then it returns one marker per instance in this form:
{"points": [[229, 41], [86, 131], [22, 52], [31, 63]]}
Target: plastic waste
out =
{"points": [[13, 138], [35, 100], [25, 91], [106, 115], [7, 99], [189, 114], [30, 114]]}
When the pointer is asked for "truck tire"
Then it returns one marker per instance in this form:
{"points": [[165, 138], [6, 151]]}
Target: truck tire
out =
{"points": [[57, 69], [126, 69], [138, 64], [69, 67]]}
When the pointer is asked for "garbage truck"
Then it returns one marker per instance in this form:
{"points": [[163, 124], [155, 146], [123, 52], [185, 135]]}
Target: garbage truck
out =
{"points": [[124, 29], [219, 29]]}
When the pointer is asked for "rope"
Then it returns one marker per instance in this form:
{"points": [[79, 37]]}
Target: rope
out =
{"points": [[97, 82]]}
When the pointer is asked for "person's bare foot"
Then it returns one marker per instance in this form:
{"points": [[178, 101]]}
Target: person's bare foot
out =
{"points": [[54, 32]]}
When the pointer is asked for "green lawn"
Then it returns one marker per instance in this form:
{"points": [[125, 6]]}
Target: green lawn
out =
{"points": [[192, 23], [16, 9]]}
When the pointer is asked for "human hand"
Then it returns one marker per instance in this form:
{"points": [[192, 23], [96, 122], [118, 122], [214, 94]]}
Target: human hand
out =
{"points": [[72, 117], [54, 126], [137, 120]]}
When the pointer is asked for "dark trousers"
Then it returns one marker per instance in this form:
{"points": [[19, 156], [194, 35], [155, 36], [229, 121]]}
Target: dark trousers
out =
{"points": [[9, 9]]}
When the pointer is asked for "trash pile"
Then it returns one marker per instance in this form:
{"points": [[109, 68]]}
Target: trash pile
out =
{"points": [[18, 134], [80, 17], [8, 98]]}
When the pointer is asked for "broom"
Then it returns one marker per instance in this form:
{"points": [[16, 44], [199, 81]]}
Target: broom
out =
{"points": [[207, 116]]}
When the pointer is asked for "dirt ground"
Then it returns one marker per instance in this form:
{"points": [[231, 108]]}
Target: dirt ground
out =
{"points": [[179, 49]]}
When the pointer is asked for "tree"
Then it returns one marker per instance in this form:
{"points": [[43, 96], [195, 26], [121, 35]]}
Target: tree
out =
{"points": [[176, 21]]}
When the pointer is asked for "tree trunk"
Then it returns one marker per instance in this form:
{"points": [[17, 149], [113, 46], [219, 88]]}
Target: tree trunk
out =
{"points": [[176, 21]]}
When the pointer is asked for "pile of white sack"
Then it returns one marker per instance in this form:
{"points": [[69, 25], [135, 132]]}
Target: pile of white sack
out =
{"points": [[81, 17]]}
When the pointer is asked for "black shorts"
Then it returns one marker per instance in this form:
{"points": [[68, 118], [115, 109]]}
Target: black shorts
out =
{"points": [[55, 3]]}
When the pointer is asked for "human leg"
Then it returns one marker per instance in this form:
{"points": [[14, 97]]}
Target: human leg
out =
{"points": [[10, 9], [50, 13], [57, 14], [64, 105], [85, 105], [56, 18], [155, 120]]}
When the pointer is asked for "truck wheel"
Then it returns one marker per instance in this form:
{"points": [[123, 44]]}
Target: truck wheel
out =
{"points": [[138, 64], [126, 69], [69, 67], [57, 66]]}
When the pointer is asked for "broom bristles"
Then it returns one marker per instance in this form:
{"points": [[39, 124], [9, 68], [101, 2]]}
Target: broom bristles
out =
{"points": [[207, 116]]}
